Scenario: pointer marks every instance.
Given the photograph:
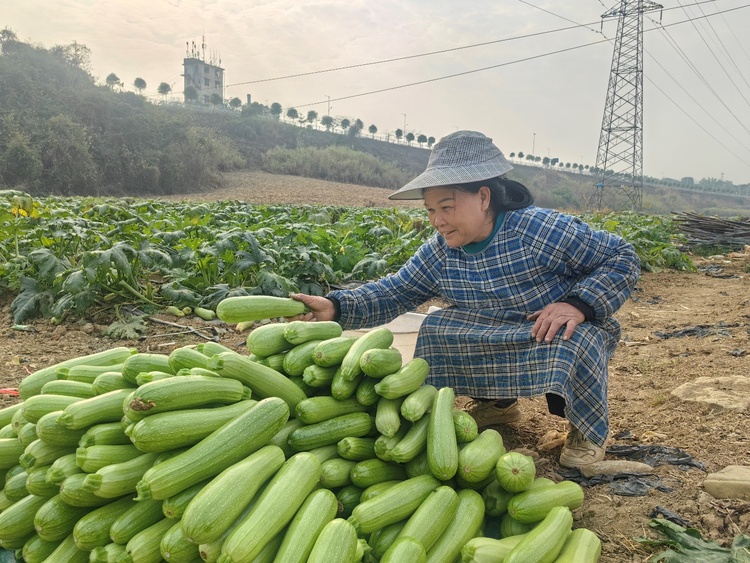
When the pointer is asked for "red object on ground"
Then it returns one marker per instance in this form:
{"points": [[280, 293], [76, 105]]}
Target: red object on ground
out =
{"points": [[9, 391]]}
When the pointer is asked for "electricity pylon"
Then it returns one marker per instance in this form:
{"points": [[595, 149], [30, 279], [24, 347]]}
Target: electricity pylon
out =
{"points": [[619, 158]]}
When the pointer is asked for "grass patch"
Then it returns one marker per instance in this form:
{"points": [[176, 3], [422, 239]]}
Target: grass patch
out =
{"points": [[337, 164]]}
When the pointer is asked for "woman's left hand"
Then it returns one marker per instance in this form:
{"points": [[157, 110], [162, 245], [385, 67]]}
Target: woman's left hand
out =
{"points": [[552, 318]]}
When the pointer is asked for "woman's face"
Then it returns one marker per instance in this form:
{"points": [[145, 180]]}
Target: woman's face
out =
{"points": [[460, 217]]}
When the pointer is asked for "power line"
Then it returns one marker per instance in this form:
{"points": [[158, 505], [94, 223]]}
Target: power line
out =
{"points": [[407, 57], [441, 51], [525, 59]]}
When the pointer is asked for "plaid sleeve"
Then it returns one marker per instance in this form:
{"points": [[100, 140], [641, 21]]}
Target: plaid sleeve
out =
{"points": [[381, 301], [606, 267]]}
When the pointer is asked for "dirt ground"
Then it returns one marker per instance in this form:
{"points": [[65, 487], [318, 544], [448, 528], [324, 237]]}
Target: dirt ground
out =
{"points": [[644, 371]]}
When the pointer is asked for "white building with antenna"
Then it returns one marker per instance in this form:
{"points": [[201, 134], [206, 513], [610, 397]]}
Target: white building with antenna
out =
{"points": [[202, 73]]}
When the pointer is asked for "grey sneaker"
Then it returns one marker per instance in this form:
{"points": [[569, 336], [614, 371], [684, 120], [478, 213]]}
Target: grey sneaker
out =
{"points": [[578, 451], [487, 413]]}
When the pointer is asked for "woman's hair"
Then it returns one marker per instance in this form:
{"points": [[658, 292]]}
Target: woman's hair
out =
{"points": [[506, 194]]}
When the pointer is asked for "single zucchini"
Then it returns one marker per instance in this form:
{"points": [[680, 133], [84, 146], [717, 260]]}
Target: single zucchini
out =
{"points": [[496, 498], [32, 384], [489, 550], [85, 373], [174, 507], [117, 479], [72, 492], [330, 431], [281, 438], [337, 543], [213, 510], [442, 448], [10, 450], [348, 496], [37, 406], [465, 425], [342, 388], [413, 443], [39, 453], [145, 546], [178, 393], [385, 444], [376, 338], [15, 487], [334, 473], [535, 503], [324, 453], [515, 471], [174, 546], [93, 458], [110, 553], [365, 393], [418, 466], [317, 376], [37, 483], [544, 543], [68, 387], [405, 381], [225, 446], [135, 519], [143, 361], [318, 409], [92, 529], [257, 308], [264, 381], [388, 416], [176, 429], [55, 519], [96, 410], [299, 358], [465, 524], [68, 551], [62, 468], [378, 488], [371, 471], [17, 521], [268, 340], [8, 431], [37, 550], [274, 509], [109, 381], [104, 434], [320, 508], [49, 430], [582, 546], [186, 357], [405, 548], [379, 362], [418, 402], [356, 449], [382, 539], [6, 413], [299, 332], [477, 460], [395, 504], [432, 517], [28, 433], [331, 351]]}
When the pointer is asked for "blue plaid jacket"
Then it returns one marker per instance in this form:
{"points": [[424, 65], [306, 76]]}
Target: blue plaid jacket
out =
{"points": [[481, 345]]}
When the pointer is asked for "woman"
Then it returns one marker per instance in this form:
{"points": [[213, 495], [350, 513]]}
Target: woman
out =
{"points": [[532, 294]]}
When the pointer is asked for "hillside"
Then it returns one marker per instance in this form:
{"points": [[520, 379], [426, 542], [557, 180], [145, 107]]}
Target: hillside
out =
{"points": [[61, 133]]}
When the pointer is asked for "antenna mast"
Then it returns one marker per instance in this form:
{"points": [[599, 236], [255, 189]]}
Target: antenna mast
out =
{"points": [[619, 158]]}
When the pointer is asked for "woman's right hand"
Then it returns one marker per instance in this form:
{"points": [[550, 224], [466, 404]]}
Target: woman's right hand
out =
{"points": [[321, 308]]}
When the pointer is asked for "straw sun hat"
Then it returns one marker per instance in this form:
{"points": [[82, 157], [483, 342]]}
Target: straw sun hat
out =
{"points": [[458, 158]]}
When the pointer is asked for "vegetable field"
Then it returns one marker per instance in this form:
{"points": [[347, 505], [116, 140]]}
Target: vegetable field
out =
{"points": [[69, 256]]}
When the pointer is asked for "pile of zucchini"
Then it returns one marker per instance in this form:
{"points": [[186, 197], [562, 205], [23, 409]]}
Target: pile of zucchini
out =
{"points": [[313, 447]]}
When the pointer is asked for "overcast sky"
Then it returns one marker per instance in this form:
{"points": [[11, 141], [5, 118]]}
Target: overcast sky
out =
{"points": [[696, 90]]}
